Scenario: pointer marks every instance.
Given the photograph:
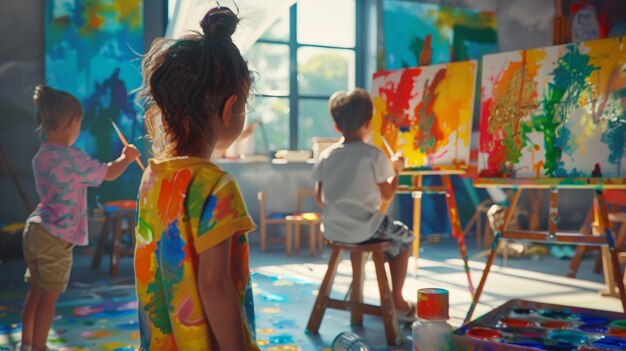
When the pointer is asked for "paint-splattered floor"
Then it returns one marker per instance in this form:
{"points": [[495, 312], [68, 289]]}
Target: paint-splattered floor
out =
{"points": [[98, 312]]}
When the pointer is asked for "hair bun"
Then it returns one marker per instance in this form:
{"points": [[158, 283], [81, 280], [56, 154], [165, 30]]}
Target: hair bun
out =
{"points": [[219, 21]]}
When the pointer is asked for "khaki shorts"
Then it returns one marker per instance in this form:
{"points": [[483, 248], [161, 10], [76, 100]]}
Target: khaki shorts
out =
{"points": [[49, 259]]}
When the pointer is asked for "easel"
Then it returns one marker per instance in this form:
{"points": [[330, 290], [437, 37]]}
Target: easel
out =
{"points": [[8, 168], [417, 190], [601, 224]]}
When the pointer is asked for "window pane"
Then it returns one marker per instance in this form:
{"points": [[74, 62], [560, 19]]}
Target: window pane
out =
{"points": [[326, 22], [324, 71], [271, 63], [273, 134], [279, 30], [314, 120]]}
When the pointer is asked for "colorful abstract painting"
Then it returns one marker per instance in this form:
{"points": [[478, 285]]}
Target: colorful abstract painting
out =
{"points": [[457, 34], [92, 50], [426, 113], [555, 112]]}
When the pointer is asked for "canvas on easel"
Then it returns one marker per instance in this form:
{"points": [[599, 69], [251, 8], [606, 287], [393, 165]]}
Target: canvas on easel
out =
{"points": [[425, 114], [554, 118], [555, 113]]}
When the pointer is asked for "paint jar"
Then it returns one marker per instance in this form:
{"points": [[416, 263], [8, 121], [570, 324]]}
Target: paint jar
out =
{"points": [[348, 341], [431, 331]]}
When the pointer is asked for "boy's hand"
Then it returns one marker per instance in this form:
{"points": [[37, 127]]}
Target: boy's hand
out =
{"points": [[131, 152], [398, 164]]}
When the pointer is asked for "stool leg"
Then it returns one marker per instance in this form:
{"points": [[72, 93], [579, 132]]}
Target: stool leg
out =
{"points": [[296, 237], [102, 243], [358, 277], [322, 297], [115, 252], [263, 236], [312, 238], [288, 238], [387, 308]]}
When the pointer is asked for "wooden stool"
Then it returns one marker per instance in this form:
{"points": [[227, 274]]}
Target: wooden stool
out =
{"points": [[358, 255], [115, 213]]}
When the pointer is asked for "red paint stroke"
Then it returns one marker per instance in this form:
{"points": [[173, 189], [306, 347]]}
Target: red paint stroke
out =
{"points": [[398, 96], [425, 111], [172, 194]]}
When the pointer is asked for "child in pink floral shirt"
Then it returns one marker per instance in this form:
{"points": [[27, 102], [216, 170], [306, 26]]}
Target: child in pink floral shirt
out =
{"points": [[62, 175]]}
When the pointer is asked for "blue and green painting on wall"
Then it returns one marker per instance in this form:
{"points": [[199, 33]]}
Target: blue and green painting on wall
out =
{"points": [[92, 50], [457, 34]]}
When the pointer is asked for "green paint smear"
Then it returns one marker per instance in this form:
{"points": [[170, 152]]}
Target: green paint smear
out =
{"points": [[561, 99], [615, 138], [157, 307]]}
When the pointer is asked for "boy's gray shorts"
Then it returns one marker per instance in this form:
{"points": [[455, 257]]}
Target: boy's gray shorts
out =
{"points": [[400, 236]]}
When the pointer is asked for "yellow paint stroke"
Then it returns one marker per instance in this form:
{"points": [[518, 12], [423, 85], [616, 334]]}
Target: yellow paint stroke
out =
{"points": [[515, 93], [453, 106], [609, 57]]}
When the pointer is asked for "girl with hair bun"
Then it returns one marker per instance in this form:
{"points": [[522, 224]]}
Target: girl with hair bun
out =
{"points": [[62, 176], [191, 256]]}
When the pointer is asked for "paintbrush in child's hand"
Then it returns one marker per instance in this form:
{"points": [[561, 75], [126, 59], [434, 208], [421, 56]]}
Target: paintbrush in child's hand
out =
{"points": [[392, 154], [125, 142]]}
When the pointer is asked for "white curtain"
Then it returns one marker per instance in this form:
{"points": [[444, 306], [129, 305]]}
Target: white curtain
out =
{"points": [[256, 16]]}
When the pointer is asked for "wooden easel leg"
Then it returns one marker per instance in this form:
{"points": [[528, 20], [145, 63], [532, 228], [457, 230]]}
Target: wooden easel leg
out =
{"points": [[494, 250], [612, 269], [483, 278], [455, 224], [580, 250], [417, 220]]}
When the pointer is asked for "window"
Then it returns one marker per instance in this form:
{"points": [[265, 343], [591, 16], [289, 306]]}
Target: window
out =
{"points": [[310, 52]]}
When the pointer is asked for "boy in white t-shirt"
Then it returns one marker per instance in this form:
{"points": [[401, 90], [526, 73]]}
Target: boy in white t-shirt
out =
{"points": [[352, 179]]}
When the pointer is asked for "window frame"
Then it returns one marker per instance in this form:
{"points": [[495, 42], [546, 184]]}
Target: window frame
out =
{"points": [[294, 96]]}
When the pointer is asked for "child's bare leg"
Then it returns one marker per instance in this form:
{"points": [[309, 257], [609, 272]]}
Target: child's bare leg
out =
{"points": [[28, 315], [45, 314], [398, 267]]}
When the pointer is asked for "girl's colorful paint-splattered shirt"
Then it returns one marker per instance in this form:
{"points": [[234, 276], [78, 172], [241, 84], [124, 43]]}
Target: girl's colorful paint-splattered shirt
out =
{"points": [[62, 175], [186, 206]]}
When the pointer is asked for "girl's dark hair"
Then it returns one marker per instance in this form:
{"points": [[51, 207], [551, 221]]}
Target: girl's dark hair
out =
{"points": [[54, 108], [187, 81], [350, 110]]}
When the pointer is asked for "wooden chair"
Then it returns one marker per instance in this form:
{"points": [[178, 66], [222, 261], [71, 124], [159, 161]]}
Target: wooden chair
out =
{"points": [[116, 214], [312, 220], [358, 255], [286, 219]]}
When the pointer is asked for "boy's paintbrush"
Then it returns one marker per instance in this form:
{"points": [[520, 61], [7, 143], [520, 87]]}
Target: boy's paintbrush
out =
{"points": [[125, 142], [392, 154]]}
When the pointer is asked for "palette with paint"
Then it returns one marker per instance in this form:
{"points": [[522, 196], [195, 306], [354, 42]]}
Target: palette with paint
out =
{"points": [[526, 325]]}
